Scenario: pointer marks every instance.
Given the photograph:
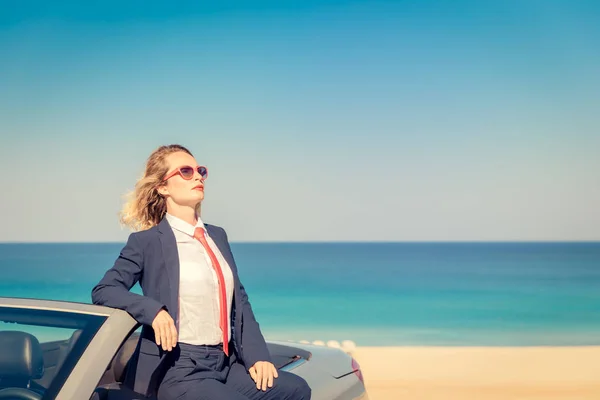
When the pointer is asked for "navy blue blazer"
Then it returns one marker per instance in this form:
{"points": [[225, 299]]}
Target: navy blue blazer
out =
{"points": [[150, 257]]}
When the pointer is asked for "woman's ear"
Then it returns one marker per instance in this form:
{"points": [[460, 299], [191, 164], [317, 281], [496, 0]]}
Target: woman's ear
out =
{"points": [[162, 190]]}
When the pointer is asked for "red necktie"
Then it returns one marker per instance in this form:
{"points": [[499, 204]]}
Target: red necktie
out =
{"points": [[199, 234]]}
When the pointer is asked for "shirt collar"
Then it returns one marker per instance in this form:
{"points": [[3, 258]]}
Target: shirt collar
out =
{"points": [[182, 226]]}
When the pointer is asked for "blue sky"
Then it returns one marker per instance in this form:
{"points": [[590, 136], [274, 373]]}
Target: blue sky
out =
{"points": [[319, 120]]}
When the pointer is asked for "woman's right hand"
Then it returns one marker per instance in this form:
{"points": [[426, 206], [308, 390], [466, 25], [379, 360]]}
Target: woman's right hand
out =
{"points": [[165, 332]]}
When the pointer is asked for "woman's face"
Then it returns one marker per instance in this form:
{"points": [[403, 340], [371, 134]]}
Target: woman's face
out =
{"points": [[178, 190]]}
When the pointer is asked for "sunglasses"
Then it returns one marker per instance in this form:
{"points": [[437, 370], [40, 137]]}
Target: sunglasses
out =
{"points": [[187, 172]]}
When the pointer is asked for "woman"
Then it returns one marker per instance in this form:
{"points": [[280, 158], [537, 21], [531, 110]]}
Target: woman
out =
{"points": [[199, 338]]}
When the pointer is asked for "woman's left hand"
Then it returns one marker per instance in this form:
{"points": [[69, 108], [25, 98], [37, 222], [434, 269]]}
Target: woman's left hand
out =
{"points": [[263, 373]]}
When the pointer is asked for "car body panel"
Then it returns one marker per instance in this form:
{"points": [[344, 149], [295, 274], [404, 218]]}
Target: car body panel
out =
{"points": [[333, 361], [327, 363], [57, 305]]}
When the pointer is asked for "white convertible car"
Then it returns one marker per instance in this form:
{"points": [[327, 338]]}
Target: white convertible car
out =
{"points": [[73, 351]]}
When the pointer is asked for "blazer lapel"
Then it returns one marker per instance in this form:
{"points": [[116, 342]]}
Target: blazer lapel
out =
{"points": [[171, 263], [222, 248]]}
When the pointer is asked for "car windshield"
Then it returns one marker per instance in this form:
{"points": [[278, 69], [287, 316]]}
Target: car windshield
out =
{"points": [[40, 347]]}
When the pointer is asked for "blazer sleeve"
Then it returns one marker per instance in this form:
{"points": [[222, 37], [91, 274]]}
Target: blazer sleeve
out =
{"points": [[254, 344], [113, 288]]}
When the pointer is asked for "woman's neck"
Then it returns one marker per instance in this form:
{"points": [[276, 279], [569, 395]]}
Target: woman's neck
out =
{"points": [[185, 213]]}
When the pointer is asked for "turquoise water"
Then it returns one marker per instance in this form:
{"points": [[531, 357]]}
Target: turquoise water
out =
{"points": [[373, 293]]}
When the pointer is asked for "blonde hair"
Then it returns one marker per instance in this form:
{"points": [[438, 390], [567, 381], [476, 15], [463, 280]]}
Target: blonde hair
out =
{"points": [[145, 207]]}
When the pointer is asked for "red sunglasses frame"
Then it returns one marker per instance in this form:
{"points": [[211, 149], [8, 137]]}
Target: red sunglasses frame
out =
{"points": [[177, 171]]}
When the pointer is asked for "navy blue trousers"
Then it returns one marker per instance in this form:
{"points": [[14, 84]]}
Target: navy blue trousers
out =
{"points": [[206, 373]]}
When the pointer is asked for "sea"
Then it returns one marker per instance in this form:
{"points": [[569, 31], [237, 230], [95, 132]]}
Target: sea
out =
{"points": [[377, 294]]}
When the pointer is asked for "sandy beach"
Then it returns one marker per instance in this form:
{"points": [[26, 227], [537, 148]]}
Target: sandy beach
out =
{"points": [[492, 373]]}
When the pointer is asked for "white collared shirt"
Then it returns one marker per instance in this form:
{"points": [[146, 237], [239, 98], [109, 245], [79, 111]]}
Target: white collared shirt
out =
{"points": [[199, 287]]}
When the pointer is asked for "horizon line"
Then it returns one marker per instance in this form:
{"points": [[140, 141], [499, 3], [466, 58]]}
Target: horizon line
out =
{"points": [[512, 241]]}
